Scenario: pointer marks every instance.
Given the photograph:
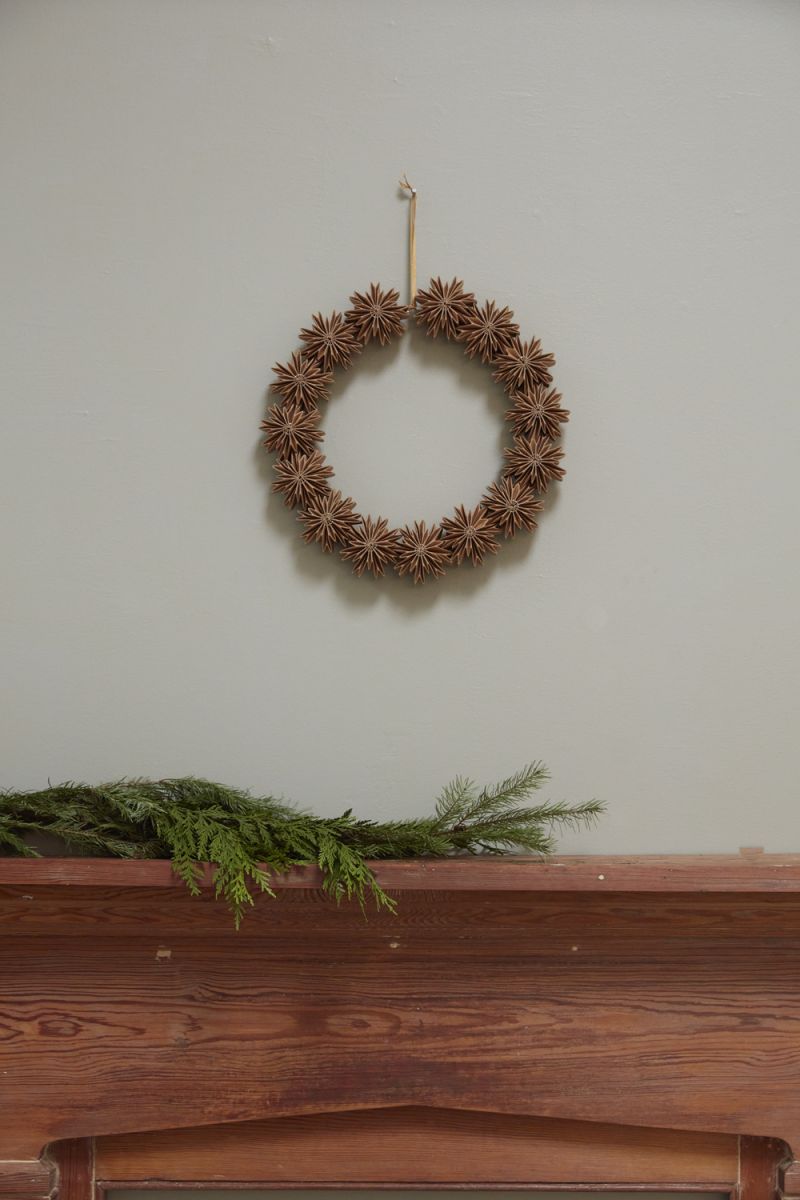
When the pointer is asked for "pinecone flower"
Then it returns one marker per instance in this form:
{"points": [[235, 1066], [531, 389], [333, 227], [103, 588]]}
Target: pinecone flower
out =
{"points": [[523, 365], [291, 430], [328, 519], [469, 535], [511, 506], [537, 411], [444, 307], [421, 552], [370, 546], [376, 314], [330, 341], [302, 478], [301, 381], [535, 461]]}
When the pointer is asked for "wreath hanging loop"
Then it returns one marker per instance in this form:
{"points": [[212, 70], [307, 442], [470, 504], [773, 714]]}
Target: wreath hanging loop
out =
{"points": [[509, 504], [412, 239]]}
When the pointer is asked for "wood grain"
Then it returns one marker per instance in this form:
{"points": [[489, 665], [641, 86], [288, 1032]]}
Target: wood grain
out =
{"points": [[697, 873], [791, 1179], [74, 1160], [413, 1147], [525, 922], [27, 1180], [134, 1007], [760, 1160]]}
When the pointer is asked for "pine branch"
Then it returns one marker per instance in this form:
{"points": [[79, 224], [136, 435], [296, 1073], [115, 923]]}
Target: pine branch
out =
{"points": [[246, 838]]}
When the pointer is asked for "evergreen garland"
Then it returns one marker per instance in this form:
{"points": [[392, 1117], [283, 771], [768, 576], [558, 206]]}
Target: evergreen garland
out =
{"points": [[246, 838]]}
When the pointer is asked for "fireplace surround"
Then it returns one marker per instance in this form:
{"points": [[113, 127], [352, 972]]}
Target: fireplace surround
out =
{"points": [[623, 1023]]}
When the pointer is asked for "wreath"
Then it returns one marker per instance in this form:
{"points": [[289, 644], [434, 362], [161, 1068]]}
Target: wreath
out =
{"points": [[488, 332]]}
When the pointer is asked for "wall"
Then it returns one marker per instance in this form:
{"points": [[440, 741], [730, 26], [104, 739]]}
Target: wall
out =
{"points": [[186, 181]]}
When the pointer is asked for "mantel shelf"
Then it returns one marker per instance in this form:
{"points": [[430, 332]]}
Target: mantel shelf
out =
{"points": [[747, 872]]}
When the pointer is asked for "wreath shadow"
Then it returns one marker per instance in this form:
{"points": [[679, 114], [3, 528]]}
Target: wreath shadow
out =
{"points": [[330, 570]]}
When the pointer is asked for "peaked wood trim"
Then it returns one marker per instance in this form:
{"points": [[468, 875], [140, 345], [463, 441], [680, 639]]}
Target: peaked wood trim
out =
{"points": [[421, 1147]]}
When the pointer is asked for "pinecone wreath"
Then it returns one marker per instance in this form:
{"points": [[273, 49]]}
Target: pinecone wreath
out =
{"points": [[511, 503]]}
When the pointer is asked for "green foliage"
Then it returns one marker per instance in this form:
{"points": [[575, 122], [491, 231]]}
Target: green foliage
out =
{"points": [[246, 838]]}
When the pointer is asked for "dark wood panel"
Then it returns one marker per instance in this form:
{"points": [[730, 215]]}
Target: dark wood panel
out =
{"points": [[523, 921], [419, 1146]]}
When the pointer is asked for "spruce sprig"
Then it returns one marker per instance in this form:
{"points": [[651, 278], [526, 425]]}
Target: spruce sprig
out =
{"points": [[246, 838]]}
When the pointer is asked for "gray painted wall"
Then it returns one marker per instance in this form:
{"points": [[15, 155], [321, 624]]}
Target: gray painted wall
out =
{"points": [[187, 181]]}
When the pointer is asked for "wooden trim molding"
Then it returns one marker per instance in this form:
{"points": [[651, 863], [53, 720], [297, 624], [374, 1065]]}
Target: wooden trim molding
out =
{"points": [[415, 1147], [589, 1012], [26, 1180], [748, 871]]}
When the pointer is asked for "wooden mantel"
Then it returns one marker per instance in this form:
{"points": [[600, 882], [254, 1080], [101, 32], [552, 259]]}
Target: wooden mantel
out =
{"points": [[650, 1002]]}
